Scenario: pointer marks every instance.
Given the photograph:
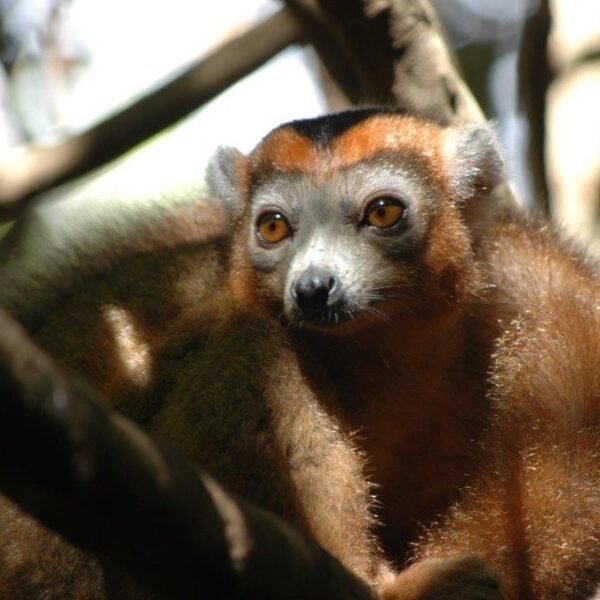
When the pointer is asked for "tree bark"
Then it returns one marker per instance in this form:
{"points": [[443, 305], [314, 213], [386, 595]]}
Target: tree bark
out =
{"points": [[389, 52]]}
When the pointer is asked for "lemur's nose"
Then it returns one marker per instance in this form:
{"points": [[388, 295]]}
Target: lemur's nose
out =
{"points": [[313, 289]]}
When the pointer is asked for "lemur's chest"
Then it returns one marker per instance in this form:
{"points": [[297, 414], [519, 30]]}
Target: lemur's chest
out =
{"points": [[417, 416]]}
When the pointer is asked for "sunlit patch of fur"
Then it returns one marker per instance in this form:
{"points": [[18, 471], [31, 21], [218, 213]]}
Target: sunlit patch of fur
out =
{"points": [[133, 350]]}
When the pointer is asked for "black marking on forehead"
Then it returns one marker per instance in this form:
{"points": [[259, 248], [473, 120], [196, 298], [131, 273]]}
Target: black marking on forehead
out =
{"points": [[322, 130]]}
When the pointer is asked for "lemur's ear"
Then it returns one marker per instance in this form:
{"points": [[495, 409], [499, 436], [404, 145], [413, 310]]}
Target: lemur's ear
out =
{"points": [[223, 175], [473, 160]]}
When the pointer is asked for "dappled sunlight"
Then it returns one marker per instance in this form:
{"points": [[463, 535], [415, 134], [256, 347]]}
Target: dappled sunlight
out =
{"points": [[133, 351]]}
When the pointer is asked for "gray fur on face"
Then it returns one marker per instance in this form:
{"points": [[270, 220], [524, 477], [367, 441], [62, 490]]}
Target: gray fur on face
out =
{"points": [[329, 236]]}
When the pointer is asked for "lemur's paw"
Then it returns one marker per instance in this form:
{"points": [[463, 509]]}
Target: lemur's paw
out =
{"points": [[455, 578]]}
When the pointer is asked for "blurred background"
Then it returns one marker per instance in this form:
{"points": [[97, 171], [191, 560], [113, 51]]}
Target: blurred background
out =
{"points": [[67, 64]]}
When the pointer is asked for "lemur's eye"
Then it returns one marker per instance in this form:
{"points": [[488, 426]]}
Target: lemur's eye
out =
{"points": [[384, 213], [272, 227]]}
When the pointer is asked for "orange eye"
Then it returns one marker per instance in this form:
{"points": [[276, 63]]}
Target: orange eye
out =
{"points": [[384, 213], [273, 227]]}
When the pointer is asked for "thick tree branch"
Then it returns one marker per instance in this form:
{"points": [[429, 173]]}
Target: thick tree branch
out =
{"points": [[41, 168], [389, 52], [98, 480]]}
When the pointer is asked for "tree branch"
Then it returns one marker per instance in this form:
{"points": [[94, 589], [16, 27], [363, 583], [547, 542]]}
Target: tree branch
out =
{"points": [[408, 63], [99, 481], [40, 169]]}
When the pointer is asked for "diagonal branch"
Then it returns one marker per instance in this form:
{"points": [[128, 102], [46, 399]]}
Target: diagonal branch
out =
{"points": [[98, 480], [389, 52], [41, 168]]}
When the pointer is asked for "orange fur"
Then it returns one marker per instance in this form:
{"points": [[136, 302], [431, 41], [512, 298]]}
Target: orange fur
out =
{"points": [[289, 151]]}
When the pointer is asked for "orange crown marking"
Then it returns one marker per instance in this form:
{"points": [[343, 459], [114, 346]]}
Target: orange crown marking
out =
{"points": [[287, 150]]}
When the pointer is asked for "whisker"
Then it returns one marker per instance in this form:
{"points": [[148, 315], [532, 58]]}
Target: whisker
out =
{"points": [[378, 313]]}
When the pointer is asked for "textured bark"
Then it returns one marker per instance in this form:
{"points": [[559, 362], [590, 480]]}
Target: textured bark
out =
{"points": [[41, 168], [389, 52], [95, 478]]}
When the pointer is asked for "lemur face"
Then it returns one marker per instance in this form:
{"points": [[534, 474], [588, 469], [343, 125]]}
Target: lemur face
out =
{"points": [[355, 217], [335, 249]]}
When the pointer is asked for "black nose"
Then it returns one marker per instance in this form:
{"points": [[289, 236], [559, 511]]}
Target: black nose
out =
{"points": [[313, 290]]}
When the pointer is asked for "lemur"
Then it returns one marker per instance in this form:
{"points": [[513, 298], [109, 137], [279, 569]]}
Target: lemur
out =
{"points": [[416, 387]]}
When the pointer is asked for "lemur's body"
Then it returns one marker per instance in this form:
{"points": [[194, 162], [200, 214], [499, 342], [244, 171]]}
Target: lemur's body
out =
{"points": [[364, 309]]}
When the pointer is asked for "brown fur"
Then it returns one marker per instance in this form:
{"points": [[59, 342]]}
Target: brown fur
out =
{"points": [[259, 410], [513, 353], [475, 413], [532, 507]]}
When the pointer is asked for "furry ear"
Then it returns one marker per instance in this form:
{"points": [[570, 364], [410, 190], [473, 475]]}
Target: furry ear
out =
{"points": [[473, 160], [223, 175]]}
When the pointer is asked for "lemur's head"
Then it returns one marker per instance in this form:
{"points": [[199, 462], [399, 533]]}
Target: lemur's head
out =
{"points": [[355, 216]]}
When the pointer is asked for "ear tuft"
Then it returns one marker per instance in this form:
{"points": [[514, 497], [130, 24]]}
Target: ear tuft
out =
{"points": [[223, 178], [473, 158]]}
